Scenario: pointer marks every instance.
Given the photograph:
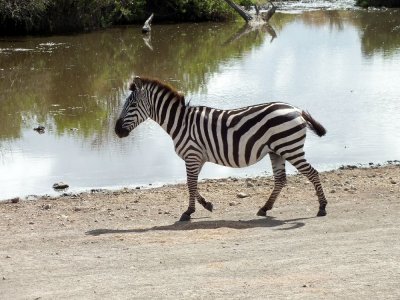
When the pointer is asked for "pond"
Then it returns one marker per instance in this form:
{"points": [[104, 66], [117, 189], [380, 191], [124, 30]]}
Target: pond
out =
{"points": [[343, 66]]}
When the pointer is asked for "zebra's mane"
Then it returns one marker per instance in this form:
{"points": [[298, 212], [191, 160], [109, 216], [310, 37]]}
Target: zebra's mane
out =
{"points": [[151, 81]]}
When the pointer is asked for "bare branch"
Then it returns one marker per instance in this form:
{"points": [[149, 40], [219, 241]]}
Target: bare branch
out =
{"points": [[147, 25], [244, 14]]}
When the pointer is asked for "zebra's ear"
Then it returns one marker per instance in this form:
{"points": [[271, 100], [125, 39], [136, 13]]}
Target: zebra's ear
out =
{"points": [[138, 83]]}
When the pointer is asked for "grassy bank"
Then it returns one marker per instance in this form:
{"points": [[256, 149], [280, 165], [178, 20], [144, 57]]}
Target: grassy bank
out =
{"points": [[63, 16]]}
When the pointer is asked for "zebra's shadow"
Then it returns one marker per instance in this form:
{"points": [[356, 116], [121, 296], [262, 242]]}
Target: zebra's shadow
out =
{"points": [[268, 222]]}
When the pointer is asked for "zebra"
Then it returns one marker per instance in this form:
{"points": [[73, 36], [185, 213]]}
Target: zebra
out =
{"points": [[236, 138]]}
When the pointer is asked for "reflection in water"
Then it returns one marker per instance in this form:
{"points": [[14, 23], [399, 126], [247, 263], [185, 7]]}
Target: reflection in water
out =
{"points": [[260, 29], [147, 41], [379, 30], [380, 33], [333, 18], [302, 5], [74, 85]]}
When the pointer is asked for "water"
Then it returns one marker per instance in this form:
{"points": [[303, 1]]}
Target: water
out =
{"points": [[296, 5], [342, 66]]}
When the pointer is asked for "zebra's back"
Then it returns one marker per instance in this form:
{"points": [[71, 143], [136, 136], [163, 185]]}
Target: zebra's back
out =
{"points": [[241, 137]]}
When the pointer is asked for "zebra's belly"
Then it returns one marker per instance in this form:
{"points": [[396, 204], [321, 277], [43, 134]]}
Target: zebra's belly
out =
{"points": [[241, 159]]}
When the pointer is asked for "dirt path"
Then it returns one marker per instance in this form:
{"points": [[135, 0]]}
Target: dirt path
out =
{"points": [[126, 244]]}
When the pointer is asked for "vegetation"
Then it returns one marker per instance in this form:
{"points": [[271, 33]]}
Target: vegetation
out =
{"points": [[380, 34], [60, 16], [378, 3], [189, 10]]}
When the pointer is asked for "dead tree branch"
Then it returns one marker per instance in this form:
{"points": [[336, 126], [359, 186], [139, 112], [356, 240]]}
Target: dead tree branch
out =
{"points": [[259, 17], [244, 14], [269, 13], [147, 25]]}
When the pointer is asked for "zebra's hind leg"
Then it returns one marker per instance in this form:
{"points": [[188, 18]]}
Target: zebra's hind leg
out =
{"points": [[193, 167], [206, 204], [307, 170], [278, 167]]}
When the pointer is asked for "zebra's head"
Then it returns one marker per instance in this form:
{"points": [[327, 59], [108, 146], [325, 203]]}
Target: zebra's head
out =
{"points": [[135, 110]]}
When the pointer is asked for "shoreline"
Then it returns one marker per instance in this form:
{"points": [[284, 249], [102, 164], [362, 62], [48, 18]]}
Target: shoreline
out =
{"points": [[114, 191]]}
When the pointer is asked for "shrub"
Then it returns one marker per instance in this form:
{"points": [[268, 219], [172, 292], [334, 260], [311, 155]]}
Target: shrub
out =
{"points": [[58, 16], [378, 3]]}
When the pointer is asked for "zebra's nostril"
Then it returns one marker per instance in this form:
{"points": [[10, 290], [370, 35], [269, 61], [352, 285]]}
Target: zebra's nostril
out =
{"points": [[119, 130]]}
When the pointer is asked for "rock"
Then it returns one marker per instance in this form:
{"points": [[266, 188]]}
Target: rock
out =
{"points": [[393, 181], [99, 191], [232, 203], [348, 167], [249, 184], [60, 186], [15, 200], [333, 191], [39, 129], [125, 191], [242, 195], [46, 206]]}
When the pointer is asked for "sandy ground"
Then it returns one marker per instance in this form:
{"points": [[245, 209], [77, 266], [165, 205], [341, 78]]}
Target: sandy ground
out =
{"points": [[129, 245]]}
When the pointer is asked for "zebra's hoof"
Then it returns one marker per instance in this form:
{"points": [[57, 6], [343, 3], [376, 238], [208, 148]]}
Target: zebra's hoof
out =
{"points": [[321, 213], [184, 218], [208, 206], [262, 213]]}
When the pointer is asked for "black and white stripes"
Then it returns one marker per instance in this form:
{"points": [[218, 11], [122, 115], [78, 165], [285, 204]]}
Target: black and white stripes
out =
{"points": [[235, 138]]}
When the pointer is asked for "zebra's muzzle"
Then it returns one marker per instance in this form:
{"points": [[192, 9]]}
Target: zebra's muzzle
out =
{"points": [[119, 130]]}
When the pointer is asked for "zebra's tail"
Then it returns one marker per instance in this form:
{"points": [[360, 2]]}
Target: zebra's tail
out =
{"points": [[313, 124]]}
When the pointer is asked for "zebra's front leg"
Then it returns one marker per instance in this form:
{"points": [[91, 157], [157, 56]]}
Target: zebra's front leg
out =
{"points": [[280, 182], [278, 168], [193, 167], [206, 204]]}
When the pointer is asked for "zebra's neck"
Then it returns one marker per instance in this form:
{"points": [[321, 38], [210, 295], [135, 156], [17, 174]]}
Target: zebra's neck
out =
{"points": [[167, 107]]}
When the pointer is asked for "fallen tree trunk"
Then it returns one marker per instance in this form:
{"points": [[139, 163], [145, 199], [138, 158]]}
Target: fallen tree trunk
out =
{"points": [[260, 17], [244, 14], [269, 13]]}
